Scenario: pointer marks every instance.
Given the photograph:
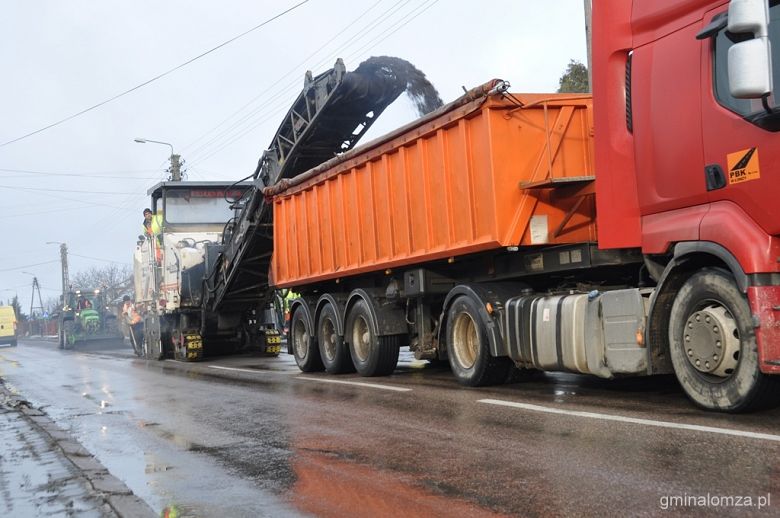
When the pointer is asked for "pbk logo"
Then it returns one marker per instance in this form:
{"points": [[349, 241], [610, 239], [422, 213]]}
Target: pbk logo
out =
{"points": [[743, 166]]}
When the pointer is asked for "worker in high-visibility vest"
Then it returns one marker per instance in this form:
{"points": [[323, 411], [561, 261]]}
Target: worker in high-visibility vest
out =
{"points": [[134, 323], [152, 229]]}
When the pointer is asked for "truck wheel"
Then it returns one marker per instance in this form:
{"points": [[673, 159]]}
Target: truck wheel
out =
{"points": [[713, 346], [68, 334], [468, 349], [304, 346], [333, 350], [371, 355]]}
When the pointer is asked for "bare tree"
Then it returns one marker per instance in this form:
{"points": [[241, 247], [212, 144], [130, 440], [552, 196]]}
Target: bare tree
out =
{"points": [[51, 305], [114, 280]]}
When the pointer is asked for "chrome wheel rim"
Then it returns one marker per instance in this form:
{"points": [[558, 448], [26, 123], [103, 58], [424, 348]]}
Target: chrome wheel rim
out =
{"points": [[328, 338], [465, 340], [361, 338], [300, 339], [711, 340]]}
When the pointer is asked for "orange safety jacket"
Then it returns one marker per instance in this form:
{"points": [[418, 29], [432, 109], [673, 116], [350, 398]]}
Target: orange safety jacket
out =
{"points": [[131, 314]]}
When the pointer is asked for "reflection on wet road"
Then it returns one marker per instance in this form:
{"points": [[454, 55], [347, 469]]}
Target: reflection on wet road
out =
{"points": [[248, 436]]}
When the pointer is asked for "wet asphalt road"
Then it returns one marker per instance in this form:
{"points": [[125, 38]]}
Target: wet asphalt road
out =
{"points": [[251, 436]]}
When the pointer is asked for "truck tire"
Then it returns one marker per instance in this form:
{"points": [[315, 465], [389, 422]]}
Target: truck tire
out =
{"points": [[713, 346], [372, 355], [468, 349], [304, 345], [333, 351], [68, 334]]}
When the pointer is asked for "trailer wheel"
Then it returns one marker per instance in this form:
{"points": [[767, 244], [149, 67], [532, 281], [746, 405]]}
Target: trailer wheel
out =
{"points": [[372, 355], [333, 350], [304, 345], [467, 347], [713, 346]]}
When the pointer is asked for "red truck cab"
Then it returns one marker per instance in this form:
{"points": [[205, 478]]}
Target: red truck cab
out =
{"points": [[688, 163]]}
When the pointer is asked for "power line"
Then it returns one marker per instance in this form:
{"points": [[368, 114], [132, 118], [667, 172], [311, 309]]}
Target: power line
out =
{"points": [[261, 114], [289, 72], [125, 205], [270, 112], [264, 112], [411, 15], [29, 266], [96, 174], [39, 212], [98, 259], [155, 78], [57, 197], [14, 187]]}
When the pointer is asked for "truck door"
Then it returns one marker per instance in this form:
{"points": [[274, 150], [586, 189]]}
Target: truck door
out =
{"points": [[665, 76], [741, 139]]}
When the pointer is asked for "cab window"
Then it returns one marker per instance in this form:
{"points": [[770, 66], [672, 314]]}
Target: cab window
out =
{"points": [[187, 206]]}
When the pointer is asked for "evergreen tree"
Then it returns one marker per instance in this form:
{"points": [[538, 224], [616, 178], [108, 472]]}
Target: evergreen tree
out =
{"points": [[575, 79], [21, 317]]}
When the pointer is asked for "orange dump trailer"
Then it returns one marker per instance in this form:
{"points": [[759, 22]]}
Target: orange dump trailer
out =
{"points": [[468, 235], [494, 172]]}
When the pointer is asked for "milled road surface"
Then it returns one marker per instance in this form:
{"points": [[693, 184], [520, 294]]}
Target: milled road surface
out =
{"points": [[250, 436]]}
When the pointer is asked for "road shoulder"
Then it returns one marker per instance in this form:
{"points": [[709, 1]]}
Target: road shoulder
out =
{"points": [[36, 444]]}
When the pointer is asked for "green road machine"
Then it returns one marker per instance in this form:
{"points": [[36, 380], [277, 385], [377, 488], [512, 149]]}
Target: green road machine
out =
{"points": [[86, 316]]}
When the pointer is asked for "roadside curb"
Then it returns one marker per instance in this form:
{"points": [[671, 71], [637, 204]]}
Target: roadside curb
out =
{"points": [[115, 494]]}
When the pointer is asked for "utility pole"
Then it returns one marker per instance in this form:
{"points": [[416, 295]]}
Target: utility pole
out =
{"points": [[64, 259], [175, 168], [588, 30], [36, 287]]}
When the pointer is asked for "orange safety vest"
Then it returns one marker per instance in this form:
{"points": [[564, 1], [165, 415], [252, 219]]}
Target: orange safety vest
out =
{"points": [[132, 315]]}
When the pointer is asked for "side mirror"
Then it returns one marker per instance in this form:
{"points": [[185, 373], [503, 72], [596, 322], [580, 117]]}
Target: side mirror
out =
{"points": [[749, 16], [750, 62], [750, 69]]}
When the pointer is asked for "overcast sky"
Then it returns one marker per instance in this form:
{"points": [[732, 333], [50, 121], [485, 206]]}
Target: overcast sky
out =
{"points": [[84, 182]]}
